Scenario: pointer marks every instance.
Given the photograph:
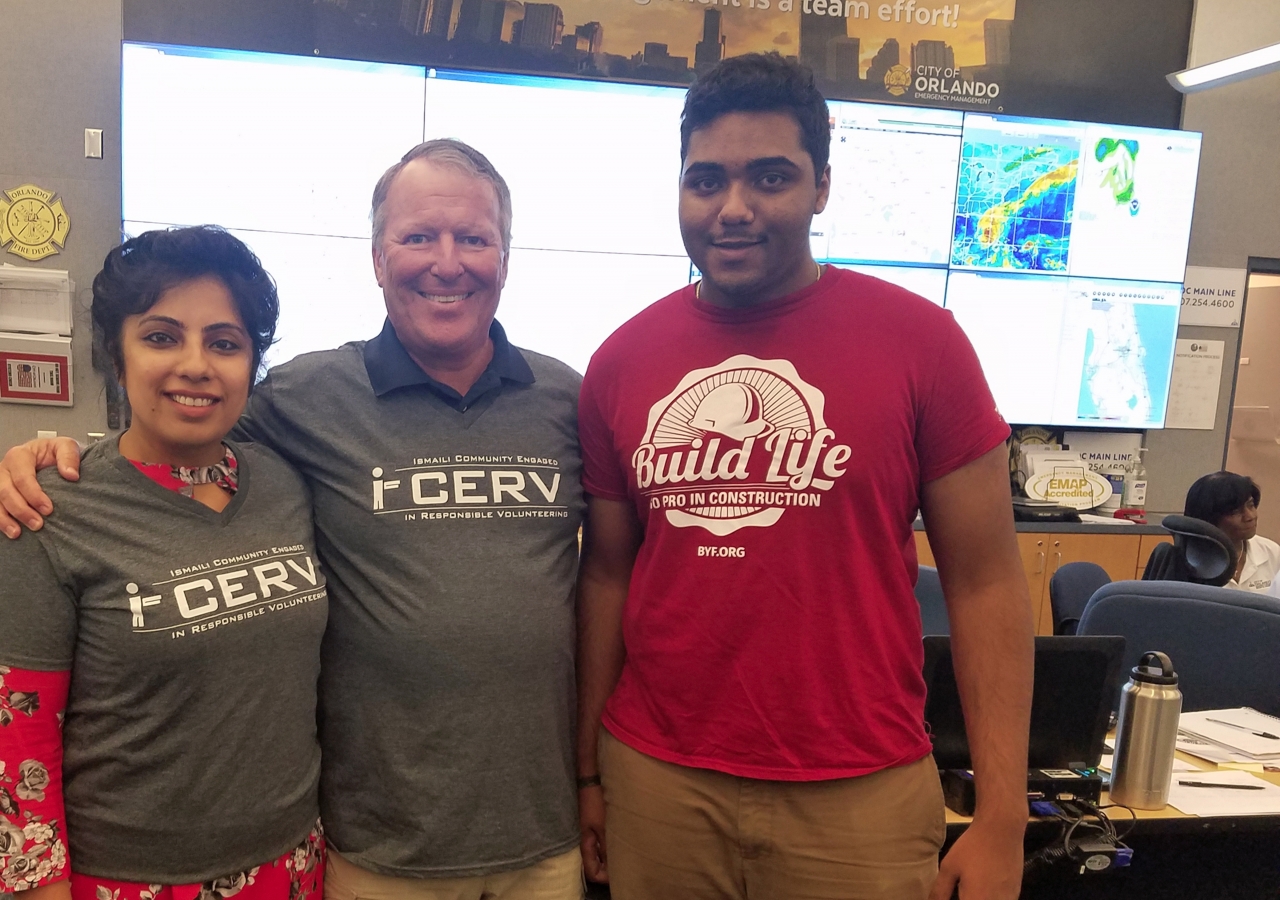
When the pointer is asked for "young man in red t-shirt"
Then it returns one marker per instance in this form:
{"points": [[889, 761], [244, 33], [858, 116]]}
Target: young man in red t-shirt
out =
{"points": [[756, 448]]}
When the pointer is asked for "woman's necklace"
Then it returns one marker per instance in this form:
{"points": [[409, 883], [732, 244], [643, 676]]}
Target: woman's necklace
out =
{"points": [[225, 474]]}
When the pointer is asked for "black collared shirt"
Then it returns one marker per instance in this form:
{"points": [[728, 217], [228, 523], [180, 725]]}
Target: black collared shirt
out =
{"points": [[390, 368]]}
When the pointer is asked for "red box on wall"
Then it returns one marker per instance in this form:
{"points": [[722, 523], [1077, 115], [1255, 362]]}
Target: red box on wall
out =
{"points": [[35, 369]]}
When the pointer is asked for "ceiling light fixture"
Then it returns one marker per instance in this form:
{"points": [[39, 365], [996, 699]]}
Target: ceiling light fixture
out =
{"points": [[1225, 71]]}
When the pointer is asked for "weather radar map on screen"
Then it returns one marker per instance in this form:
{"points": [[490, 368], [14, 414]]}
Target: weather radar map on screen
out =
{"points": [[1093, 220], [1014, 201], [1128, 351], [1074, 198], [1060, 247]]}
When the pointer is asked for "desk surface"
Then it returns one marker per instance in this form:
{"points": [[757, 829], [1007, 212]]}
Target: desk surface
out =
{"points": [[1168, 820]]}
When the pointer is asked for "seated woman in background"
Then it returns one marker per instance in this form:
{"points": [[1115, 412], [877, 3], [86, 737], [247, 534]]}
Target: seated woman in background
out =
{"points": [[160, 637], [1230, 502]]}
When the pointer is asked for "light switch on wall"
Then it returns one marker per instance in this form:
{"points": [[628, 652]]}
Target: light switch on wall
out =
{"points": [[93, 143], [46, 435]]}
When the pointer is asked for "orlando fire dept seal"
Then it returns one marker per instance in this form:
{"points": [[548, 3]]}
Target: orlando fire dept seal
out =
{"points": [[32, 222], [897, 80]]}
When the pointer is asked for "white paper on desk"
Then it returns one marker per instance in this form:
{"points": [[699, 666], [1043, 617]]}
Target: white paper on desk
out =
{"points": [[1179, 765], [1243, 732], [1227, 802], [1206, 750], [1193, 389]]}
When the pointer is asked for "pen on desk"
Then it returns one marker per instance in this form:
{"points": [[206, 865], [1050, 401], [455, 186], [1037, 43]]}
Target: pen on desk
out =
{"points": [[1261, 734], [1225, 787]]}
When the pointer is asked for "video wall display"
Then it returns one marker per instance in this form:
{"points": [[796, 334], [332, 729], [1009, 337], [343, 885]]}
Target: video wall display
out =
{"points": [[1059, 246], [284, 151], [1074, 198], [1084, 351], [893, 187]]}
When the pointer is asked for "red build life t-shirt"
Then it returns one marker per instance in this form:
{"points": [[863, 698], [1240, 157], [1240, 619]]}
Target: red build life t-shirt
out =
{"points": [[775, 456]]}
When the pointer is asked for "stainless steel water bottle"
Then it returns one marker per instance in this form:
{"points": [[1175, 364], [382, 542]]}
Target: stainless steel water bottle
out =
{"points": [[1146, 733]]}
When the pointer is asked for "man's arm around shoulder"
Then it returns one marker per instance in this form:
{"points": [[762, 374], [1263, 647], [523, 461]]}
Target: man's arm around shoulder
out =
{"points": [[611, 539], [24, 502], [969, 520]]}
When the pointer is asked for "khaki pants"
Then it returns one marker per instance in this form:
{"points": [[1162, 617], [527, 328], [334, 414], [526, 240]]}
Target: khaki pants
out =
{"points": [[557, 878], [696, 834]]}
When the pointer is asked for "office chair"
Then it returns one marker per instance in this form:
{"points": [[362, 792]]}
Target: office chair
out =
{"points": [[1069, 591], [1200, 554], [1223, 642], [933, 607]]}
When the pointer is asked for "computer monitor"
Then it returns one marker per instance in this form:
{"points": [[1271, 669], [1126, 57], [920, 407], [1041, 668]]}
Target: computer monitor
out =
{"points": [[1073, 351], [893, 186], [1074, 198], [1076, 679]]}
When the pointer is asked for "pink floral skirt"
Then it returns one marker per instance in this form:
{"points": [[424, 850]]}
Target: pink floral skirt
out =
{"points": [[297, 875]]}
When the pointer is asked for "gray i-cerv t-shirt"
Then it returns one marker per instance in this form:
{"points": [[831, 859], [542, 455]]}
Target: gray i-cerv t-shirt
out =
{"points": [[193, 639], [449, 541]]}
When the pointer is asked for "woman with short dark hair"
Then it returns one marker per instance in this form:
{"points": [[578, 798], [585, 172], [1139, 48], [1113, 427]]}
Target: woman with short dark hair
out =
{"points": [[160, 636], [1230, 502]]}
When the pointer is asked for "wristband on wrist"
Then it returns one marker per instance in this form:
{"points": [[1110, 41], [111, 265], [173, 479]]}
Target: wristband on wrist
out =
{"points": [[586, 781]]}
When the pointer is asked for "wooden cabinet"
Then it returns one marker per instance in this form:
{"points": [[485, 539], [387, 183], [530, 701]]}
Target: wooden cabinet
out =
{"points": [[1123, 556], [1033, 563], [1034, 547], [924, 555], [1116, 553]]}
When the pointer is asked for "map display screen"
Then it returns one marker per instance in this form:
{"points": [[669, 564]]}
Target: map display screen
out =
{"points": [[1016, 195], [1094, 352], [1074, 198], [1134, 200], [1087, 226], [893, 185]]}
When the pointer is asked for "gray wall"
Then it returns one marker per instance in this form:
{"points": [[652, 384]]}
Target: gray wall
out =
{"points": [[1237, 213], [60, 68]]}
